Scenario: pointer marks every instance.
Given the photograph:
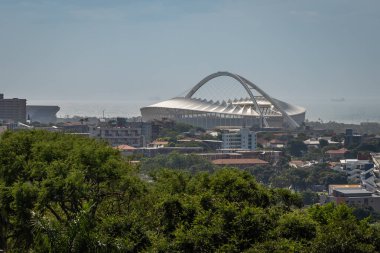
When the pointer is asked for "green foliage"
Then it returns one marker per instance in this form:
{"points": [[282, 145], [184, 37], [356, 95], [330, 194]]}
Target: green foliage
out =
{"points": [[63, 193], [55, 187], [323, 143], [305, 178], [309, 197], [189, 162], [297, 148], [340, 231]]}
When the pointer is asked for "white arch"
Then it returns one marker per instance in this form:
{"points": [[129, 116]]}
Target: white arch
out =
{"points": [[247, 85]]}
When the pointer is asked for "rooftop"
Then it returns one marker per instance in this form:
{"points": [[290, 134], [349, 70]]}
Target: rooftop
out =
{"points": [[353, 191], [238, 161], [125, 148], [341, 151]]}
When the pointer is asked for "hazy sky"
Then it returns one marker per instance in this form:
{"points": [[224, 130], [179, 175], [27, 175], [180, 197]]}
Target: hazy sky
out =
{"points": [[141, 50]]}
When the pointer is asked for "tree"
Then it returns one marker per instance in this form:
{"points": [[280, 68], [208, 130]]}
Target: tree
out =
{"points": [[51, 181], [323, 143], [297, 148]]}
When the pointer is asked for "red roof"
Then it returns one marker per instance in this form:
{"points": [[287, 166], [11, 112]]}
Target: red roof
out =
{"points": [[341, 151], [238, 161], [125, 147]]}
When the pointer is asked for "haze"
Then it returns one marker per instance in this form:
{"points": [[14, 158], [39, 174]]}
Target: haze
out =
{"points": [[151, 50]]}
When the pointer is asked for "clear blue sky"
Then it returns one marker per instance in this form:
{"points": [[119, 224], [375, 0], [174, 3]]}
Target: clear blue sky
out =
{"points": [[131, 50]]}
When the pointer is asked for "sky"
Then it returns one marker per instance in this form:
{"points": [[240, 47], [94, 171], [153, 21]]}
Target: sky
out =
{"points": [[295, 50]]}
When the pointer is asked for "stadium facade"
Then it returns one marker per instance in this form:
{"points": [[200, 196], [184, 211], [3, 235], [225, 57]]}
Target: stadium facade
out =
{"points": [[253, 111], [42, 113]]}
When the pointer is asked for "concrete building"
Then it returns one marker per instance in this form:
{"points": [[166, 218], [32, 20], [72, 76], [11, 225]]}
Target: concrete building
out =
{"points": [[42, 113], [75, 127], [354, 195], [336, 154], [354, 168], [135, 134], [12, 109], [239, 139], [116, 136]]}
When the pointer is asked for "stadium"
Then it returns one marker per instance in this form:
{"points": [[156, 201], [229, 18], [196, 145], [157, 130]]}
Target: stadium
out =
{"points": [[256, 109]]}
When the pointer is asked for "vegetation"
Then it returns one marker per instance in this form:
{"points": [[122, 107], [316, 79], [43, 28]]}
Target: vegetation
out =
{"points": [[63, 193], [185, 162]]}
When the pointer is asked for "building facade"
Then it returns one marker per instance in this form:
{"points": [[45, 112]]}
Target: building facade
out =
{"points": [[42, 113], [354, 195], [116, 136], [239, 139], [12, 109], [253, 110]]}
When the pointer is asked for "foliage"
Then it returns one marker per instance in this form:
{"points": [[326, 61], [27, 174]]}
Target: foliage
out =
{"points": [[64, 193], [189, 162], [54, 189], [297, 148]]}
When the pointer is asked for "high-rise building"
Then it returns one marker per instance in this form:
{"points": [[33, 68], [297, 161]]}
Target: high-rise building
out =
{"points": [[12, 109]]}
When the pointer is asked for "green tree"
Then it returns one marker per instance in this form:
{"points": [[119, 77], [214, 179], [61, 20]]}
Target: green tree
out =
{"points": [[297, 148]]}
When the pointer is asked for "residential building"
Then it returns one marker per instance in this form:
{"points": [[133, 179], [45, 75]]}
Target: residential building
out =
{"points": [[354, 168], [116, 136], [239, 139], [376, 159], [354, 195], [75, 127], [135, 134], [12, 109], [337, 154]]}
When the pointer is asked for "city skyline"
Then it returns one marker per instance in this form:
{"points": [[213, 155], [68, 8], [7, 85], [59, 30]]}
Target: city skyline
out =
{"points": [[153, 50]]}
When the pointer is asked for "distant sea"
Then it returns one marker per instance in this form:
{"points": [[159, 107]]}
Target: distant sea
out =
{"points": [[339, 110]]}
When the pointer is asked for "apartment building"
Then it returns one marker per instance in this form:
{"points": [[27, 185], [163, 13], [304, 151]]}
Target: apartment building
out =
{"points": [[239, 139], [12, 109]]}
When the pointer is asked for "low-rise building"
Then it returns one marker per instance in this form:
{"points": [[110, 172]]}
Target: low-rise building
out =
{"points": [[135, 134], [116, 136], [337, 154], [354, 195], [354, 168]]}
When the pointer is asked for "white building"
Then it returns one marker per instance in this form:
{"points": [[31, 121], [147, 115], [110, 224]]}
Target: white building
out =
{"points": [[354, 168], [239, 139], [260, 110]]}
